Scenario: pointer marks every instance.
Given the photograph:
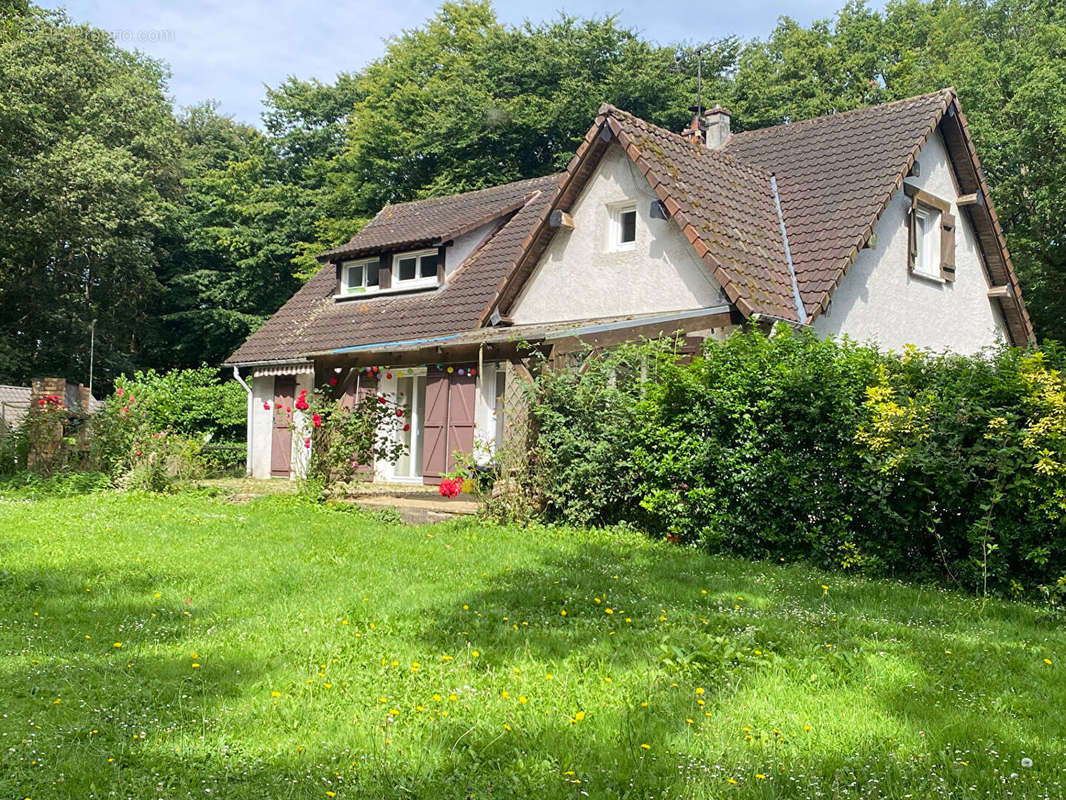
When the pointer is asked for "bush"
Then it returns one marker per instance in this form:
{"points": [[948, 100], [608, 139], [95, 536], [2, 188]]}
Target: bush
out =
{"points": [[933, 466]]}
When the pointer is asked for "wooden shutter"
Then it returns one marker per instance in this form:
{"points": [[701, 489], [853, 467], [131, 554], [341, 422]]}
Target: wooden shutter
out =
{"points": [[385, 272], [462, 392], [435, 427], [912, 233], [281, 433], [947, 246]]}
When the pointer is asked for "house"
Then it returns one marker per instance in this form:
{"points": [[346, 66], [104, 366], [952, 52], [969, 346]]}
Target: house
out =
{"points": [[874, 223]]}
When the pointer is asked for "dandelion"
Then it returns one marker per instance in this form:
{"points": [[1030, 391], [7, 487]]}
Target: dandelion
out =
{"points": [[157, 595], [117, 644], [580, 715], [645, 747], [1027, 762], [414, 666], [1047, 661], [699, 690], [275, 694], [383, 699], [453, 697], [475, 654], [548, 677], [608, 611], [689, 720], [331, 794], [760, 776], [195, 665], [56, 702], [506, 727], [825, 588], [562, 613], [522, 699], [806, 727], [730, 780], [505, 694]]}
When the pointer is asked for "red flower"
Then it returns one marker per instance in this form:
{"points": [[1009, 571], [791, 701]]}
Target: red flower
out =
{"points": [[307, 442], [138, 452], [332, 381], [131, 400], [317, 420], [301, 403], [450, 487], [277, 405], [389, 376], [382, 400], [125, 410], [399, 412], [40, 402], [266, 406], [407, 427], [120, 391]]}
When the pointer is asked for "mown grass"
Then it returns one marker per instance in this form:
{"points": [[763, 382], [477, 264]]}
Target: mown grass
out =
{"points": [[188, 647]]}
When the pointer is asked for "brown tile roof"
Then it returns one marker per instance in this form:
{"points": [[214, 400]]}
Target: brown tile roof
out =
{"points": [[312, 321], [723, 206], [835, 175], [435, 219]]}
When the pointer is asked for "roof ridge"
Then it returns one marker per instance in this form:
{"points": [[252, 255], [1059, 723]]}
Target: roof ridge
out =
{"points": [[947, 93], [701, 150], [497, 187]]}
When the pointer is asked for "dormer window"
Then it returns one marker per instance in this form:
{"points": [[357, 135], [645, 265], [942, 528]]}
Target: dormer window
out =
{"points": [[359, 276], [415, 270]]}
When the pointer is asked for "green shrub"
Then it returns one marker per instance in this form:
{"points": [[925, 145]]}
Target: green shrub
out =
{"points": [[933, 466]]}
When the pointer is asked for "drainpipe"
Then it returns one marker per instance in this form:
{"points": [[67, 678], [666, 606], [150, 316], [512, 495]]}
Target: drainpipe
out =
{"points": [[248, 426]]}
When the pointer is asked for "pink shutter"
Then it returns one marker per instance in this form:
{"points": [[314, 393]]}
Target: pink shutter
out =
{"points": [[435, 427], [281, 434], [461, 404]]}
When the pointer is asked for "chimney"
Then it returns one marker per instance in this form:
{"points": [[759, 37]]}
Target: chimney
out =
{"points": [[716, 123]]}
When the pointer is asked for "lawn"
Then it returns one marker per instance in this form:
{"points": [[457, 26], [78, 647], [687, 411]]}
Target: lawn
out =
{"points": [[185, 646]]}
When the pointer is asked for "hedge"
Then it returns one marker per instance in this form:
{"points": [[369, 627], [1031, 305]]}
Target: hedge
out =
{"points": [[786, 446]]}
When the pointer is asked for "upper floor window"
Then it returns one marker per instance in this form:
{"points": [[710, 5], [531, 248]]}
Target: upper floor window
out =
{"points": [[359, 276], [927, 241], [623, 226], [412, 270]]}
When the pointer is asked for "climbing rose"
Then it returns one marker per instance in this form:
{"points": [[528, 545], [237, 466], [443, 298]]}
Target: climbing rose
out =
{"points": [[332, 381], [399, 412], [307, 442], [382, 400], [266, 406], [407, 427], [120, 391], [317, 420]]}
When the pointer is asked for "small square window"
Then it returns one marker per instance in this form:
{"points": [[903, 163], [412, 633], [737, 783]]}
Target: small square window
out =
{"points": [[415, 270], [623, 226], [359, 276]]}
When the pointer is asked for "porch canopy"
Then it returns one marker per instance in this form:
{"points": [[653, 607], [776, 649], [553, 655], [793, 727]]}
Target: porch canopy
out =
{"points": [[519, 341]]}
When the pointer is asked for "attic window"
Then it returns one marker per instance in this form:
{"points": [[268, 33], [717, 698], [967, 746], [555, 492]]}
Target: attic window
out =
{"points": [[623, 226], [931, 235], [359, 276], [414, 270]]}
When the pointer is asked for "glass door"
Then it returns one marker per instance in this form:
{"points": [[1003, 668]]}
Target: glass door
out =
{"points": [[411, 397]]}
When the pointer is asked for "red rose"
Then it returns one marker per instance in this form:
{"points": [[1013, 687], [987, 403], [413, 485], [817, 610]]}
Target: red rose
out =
{"points": [[407, 427], [382, 400], [317, 420], [40, 402], [389, 376], [266, 406], [120, 391], [307, 442], [332, 381], [399, 412]]}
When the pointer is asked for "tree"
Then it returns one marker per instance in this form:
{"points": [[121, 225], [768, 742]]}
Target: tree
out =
{"points": [[87, 172]]}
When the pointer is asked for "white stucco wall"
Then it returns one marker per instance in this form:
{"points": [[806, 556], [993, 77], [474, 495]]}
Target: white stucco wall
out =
{"points": [[580, 276], [880, 301], [260, 422], [464, 245]]}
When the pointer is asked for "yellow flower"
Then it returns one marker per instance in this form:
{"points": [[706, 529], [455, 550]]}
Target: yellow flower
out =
{"points": [[117, 644], [414, 666], [506, 727], [475, 654], [331, 794], [194, 655], [1047, 661], [383, 699], [689, 720], [56, 702], [644, 704], [466, 607], [195, 665], [562, 613], [760, 776], [548, 677], [522, 699], [608, 610], [505, 694], [596, 600], [699, 690], [645, 747], [453, 697], [446, 658], [436, 698], [806, 727], [580, 715], [730, 780], [329, 685], [158, 595], [275, 694]]}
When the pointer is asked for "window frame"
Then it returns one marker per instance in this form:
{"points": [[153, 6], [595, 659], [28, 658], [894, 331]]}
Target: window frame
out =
{"points": [[346, 289], [927, 242], [617, 227], [417, 282]]}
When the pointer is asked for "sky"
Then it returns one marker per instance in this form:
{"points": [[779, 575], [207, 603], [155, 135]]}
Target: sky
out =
{"points": [[227, 51]]}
